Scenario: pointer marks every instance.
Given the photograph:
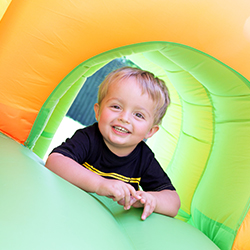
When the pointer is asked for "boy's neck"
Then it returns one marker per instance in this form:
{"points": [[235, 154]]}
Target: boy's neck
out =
{"points": [[121, 152]]}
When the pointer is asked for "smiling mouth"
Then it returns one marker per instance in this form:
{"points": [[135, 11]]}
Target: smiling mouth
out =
{"points": [[120, 129]]}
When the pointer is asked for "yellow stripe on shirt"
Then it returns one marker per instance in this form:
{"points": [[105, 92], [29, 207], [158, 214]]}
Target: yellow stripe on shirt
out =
{"points": [[113, 175]]}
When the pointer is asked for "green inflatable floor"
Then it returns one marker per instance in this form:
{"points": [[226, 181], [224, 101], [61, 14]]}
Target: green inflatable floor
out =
{"points": [[41, 211]]}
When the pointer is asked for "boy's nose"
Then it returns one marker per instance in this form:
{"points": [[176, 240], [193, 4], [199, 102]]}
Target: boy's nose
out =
{"points": [[124, 117]]}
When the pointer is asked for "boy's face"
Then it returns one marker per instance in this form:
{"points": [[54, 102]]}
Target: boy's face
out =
{"points": [[125, 116]]}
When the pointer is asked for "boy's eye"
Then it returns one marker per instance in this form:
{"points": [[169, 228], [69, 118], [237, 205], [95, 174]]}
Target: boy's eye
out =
{"points": [[115, 106], [139, 115]]}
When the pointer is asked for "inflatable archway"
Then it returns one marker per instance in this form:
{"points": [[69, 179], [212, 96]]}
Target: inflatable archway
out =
{"points": [[201, 49]]}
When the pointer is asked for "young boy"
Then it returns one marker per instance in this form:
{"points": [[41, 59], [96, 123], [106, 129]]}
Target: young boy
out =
{"points": [[110, 157]]}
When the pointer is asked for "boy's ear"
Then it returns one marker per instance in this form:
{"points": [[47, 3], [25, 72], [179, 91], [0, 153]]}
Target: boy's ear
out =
{"points": [[96, 109], [152, 131]]}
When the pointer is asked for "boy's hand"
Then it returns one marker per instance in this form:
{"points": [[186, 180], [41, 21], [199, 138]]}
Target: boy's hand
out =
{"points": [[142, 199], [148, 201], [117, 190]]}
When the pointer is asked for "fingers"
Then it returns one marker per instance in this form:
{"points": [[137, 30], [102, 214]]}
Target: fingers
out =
{"points": [[120, 192], [148, 209], [127, 198], [134, 193], [149, 203], [133, 198], [139, 199]]}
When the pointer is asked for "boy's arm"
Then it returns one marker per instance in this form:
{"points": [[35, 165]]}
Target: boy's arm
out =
{"points": [[167, 202], [78, 175]]}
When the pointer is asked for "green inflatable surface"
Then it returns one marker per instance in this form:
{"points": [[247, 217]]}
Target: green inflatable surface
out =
{"points": [[39, 211]]}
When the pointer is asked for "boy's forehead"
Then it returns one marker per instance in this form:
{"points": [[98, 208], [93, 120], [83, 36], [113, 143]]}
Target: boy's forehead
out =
{"points": [[122, 82], [114, 91]]}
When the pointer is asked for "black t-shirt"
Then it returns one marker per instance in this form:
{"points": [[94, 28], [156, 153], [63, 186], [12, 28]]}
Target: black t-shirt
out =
{"points": [[139, 168]]}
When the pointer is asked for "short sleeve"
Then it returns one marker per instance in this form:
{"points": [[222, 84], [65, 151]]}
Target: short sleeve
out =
{"points": [[154, 178], [76, 147]]}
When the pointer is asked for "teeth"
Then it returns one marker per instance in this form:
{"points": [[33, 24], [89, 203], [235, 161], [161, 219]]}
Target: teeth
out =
{"points": [[120, 129]]}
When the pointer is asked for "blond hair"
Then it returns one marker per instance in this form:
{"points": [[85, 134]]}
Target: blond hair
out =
{"points": [[153, 86]]}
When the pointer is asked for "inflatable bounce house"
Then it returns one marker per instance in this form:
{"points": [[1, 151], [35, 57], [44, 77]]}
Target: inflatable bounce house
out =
{"points": [[48, 48]]}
